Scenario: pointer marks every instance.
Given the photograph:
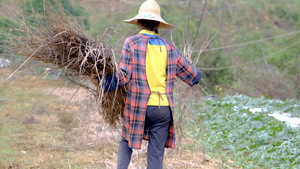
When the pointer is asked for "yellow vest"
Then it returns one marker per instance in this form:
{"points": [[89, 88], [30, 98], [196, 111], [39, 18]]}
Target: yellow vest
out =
{"points": [[156, 70]]}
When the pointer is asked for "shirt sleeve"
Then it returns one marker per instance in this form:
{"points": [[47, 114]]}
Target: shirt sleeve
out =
{"points": [[125, 65], [186, 71]]}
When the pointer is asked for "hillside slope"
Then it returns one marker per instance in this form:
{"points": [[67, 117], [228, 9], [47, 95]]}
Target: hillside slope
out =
{"points": [[242, 46]]}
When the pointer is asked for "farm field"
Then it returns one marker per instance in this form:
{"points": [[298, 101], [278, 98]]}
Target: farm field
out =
{"points": [[48, 124], [251, 132], [244, 114]]}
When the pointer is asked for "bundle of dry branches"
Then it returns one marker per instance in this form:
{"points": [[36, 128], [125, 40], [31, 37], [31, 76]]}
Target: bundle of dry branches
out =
{"points": [[53, 38]]}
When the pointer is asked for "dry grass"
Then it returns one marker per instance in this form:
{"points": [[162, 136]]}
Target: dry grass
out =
{"points": [[260, 80], [56, 40]]}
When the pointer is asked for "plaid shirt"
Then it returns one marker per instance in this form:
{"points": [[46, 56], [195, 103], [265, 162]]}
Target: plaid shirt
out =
{"points": [[133, 76]]}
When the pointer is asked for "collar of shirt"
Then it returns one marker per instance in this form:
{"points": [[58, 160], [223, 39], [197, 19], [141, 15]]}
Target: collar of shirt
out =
{"points": [[149, 33], [154, 37]]}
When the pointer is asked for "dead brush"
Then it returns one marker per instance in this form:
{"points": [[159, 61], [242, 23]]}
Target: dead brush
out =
{"points": [[56, 40]]}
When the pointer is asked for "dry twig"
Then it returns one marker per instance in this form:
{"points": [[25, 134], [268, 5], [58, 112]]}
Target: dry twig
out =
{"points": [[54, 38]]}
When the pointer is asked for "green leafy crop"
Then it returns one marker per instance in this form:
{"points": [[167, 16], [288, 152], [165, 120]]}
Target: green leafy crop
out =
{"points": [[241, 131]]}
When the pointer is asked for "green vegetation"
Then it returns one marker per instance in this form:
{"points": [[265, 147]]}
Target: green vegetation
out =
{"points": [[231, 69], [226, 23], [5, 25], [241, 138], [9, 24], [37, 7]]}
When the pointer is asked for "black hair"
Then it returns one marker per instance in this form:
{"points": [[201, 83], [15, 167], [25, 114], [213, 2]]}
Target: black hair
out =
{"points": [[148, 25]]}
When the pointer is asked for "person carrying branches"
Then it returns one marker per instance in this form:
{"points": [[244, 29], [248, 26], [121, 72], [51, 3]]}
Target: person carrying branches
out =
{"points": [[148, 67]]}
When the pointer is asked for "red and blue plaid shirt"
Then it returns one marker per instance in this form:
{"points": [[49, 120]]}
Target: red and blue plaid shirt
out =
{"points": [[133, 77]]}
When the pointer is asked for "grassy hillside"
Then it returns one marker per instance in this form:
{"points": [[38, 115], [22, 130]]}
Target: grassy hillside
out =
{"points": [[243, 46], [250, 60]]}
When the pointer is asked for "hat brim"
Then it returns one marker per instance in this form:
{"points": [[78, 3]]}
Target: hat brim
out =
{"points": [[162, 23]]}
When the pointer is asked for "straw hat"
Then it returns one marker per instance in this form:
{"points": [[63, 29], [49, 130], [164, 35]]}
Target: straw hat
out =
{"points": [[149, 10]]}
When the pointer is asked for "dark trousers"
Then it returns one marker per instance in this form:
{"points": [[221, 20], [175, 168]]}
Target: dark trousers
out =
{"points": [[158, 121]]}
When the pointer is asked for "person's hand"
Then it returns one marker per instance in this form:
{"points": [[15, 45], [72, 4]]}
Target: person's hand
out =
{"points": [[94, 81], [111, 83]]}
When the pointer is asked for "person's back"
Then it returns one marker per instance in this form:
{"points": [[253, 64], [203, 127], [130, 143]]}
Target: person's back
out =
{"points": [[148, 67]]}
